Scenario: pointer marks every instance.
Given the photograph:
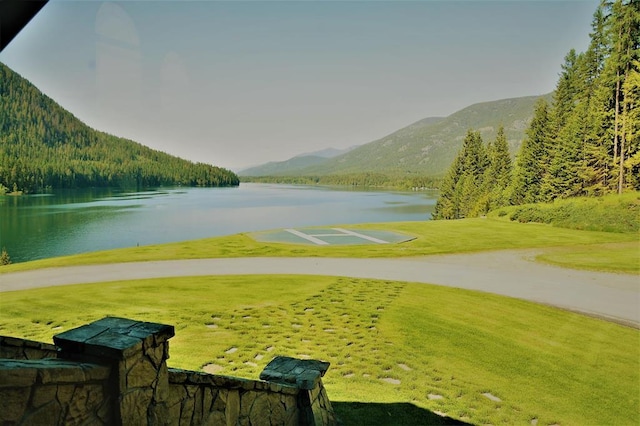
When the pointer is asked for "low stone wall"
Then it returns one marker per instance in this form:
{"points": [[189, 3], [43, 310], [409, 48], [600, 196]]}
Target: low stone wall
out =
{"points": [[290, 394], [53, 391], [12, 348], [113, 371], [200, 398]]}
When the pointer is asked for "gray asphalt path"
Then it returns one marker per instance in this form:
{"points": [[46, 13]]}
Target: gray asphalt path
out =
{"points": [[509, 273]]}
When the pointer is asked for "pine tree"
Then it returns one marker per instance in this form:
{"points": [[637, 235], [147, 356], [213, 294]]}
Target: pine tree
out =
{"points": [[470, 185], [531, 162], [625, 42], [631, 126], [499, 172], [447, 204], [461, 187], [5, 259], [567, 130]]}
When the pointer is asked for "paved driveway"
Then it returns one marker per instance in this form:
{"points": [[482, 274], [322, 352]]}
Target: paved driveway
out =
{"points": [[509, 273]]}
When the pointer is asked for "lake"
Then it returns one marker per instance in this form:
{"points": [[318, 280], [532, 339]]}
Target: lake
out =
{"points": [[76, 221]]}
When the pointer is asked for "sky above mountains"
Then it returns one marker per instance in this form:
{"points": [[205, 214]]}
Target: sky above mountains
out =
{"points": [[239, 83]]}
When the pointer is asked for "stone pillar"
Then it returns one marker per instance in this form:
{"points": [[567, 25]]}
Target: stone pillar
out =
{"points": [[313, 403], [137, 353]]}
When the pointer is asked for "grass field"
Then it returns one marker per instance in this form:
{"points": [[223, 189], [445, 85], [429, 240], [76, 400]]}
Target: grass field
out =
{"points": [[401, 349], [620, 257], [431, 237], [399, 352]]}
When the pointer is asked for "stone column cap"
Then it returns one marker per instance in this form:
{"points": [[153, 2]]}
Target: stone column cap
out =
{"points": [[113, 337], [303, 373]]}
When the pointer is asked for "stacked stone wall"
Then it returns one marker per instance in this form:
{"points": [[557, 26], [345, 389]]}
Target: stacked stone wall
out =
{"points": [[53, 391], [12, 348], [200, 398], [113, 371]]}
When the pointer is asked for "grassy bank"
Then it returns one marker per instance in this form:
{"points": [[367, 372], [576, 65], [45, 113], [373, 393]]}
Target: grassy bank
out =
{"points": [[621, 257], [431, 237], [611, 213], [390, 344]]}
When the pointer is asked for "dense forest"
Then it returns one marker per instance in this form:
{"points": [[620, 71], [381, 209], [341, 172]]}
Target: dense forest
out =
{"points": [[365, 180], [585, 143], [43, 146]]}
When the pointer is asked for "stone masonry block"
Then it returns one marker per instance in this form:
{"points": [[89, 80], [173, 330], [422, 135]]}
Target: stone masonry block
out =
{"points": [[277, 409], [134, 405], [113, 338], [246, 402], [141, 374], [232, 410], [94, 372], [156, 355], [17, 373], [65, 393], [12, 341], [43, 395], [260, 410], [14, 403], [47, 414], [60, 371], [304, 373]]}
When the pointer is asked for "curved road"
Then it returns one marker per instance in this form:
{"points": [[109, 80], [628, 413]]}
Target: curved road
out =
{"points": [[510, 273]]}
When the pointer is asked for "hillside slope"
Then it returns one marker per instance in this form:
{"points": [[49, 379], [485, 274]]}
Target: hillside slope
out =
{"points": [[44, 146], [291, 165], [428, 147]]}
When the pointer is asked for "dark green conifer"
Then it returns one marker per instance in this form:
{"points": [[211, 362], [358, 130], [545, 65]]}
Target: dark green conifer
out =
{"points": [[531, 162], [462, 186]]}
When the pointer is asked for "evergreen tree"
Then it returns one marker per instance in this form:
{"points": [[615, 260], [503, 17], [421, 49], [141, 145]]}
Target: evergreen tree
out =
{"points": [[5, 259], [448, 201], [470, 185], [531, 162], [499, 172], [567, 130], [631, 126], [625, 42], [461, 188]]}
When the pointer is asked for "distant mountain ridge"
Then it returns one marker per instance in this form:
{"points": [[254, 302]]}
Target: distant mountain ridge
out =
{"points": [[298, 162], [328, 152], [426, 147]]}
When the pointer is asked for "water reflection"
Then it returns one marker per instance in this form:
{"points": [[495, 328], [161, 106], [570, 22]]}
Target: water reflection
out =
{"points": [[67, 222]]}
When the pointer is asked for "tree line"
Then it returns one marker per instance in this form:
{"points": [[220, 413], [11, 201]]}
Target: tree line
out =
{"points": [[364, 180], [585, 143], [43, 146]]}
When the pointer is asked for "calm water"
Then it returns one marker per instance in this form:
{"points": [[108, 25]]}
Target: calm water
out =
{"points": [[68, 222]]}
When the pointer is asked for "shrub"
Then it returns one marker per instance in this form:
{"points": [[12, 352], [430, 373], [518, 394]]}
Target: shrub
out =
{"points": [[5, 259]]}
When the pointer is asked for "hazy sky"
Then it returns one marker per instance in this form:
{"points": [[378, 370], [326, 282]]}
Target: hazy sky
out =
{"points": [[239, 83]]}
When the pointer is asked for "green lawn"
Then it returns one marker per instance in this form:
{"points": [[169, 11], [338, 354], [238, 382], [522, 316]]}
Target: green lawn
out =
{"points": [[399, 351], [432, 237], [620, 257], [390, 344]]}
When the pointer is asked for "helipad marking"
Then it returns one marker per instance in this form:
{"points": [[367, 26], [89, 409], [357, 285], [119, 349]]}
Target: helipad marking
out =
{"points": [[364, 237], [330, 236], [307, 237]]}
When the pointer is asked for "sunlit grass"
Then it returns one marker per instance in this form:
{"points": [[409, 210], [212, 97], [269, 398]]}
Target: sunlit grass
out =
{"points": [[431, 237], [386, 341], [610, 213], [621, 257]]}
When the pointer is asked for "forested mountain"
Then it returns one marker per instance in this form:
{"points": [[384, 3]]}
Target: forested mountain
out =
{"points": [[427, 148], [44, 146], [586, 142]]}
